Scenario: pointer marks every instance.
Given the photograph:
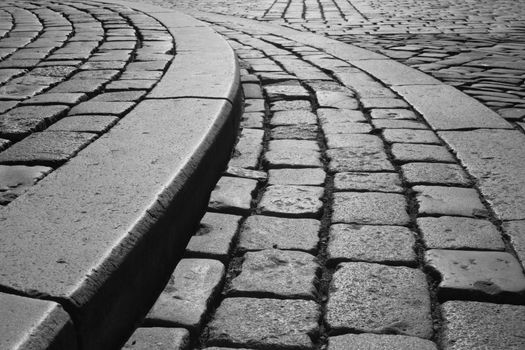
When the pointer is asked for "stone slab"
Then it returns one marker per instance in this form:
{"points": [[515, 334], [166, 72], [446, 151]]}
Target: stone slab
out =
{"points": [[293, 117], [365, 158], [97, 124], [375, 182], [391, 72], [232, 195], [410, 136], [329, 115], [353, 141], [516, 232], [392, 113], [435, 174], [264, 232], [264, 323], [311, 177], [158, 338], [294, 132], [248, 149], [412, 152], [292, 201], [379, 299], [443, 200], [367, 341]]}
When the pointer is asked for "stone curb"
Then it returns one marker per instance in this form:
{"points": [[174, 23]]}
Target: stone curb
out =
{"points": [[100, 236]]}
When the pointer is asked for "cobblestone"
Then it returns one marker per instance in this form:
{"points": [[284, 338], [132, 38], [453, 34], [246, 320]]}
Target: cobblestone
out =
{"points": [[379, 342], [292, 201], [440, 200], [311, 177], [407, 152], [158, 339], [435, 174], [410, 136], [516, 231], [374, 182], [232, 195]]}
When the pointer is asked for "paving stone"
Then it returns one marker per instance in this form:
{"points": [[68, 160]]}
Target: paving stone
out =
{"points": [[223, 348], [516, 231], [246, 173], [4, 144], [368, 341], [477, 274], [312, 177], [379, 299], [85, 123], [111, 108], [265, 232], [16, 179], [293, 117], [376, 182], [88, 86], [129, 85], [20, 121], [252, 120], [252, 91], [293, 158], [389, 113], [232, 195], [185, 299], [293, 201], [290, 105], [366, 157], [410, 136], [346, 128], [46, 148], [443, 200], [248, 149], [336, 99], [328, 115], [264, 323], [408, 152], [512, 113], [449, 232], [398, 124], [214, 236], [496, 159], [158, 339], [119, 96], [370, 208], [254, 105], [355, 141], [7, 105], [295, 132], [475, 325], [276, 274], [380, 102], [56, 98], [435, 174], [286, 90], [381, 244]]}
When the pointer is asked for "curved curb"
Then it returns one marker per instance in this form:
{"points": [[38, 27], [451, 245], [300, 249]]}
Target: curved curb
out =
{"points": [[101, 235]]}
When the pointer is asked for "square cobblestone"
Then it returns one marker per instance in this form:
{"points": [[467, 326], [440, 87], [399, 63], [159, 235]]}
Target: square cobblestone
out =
{"points": [[21, 121], [264, 323], [441, 200], [346, 128], [293, 118], [293, 154], [328, 115], [398, 124], [355, 141], [410, 136], [232, 195], [368, 341], [248, 149], [310, 177], [292, 201], [379, 102], [252, 120], [379, 299], [295, 132], [411, 152], [276, 274], [112, 108], [370, 208], [336, 99], [381, 244], [435, 174], [363, 158], [375, 182], [286, 90], [290, 105], [264, 232]]}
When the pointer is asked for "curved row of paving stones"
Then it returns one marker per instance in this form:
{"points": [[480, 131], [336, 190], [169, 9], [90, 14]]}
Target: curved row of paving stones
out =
{"points": [[342, 221], [68, 72]]}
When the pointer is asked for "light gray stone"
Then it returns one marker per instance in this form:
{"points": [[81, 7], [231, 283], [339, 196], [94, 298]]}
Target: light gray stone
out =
{"points": [[477, 273], [443, 200], [450, 232], [248, 149], [376, 182], [435, 174], [264, 323], [232, 195], [381, 244], [389, 113], [516, 232], [365, 157], [369, 341], [346, 128], [353, 141], [311, 177], [409, 152], [383, 102], [370, 208], [184, 301], [293, 201], [379, 299], [246, 173], [410, 136], [85, 123], [398, 124], [290, 105], [252, 120], [475, 325], [158, 339], [295, 132], [329, 115], [293, 117], [16, 179], [276, 274], [265, 232], [286, 90], [336, 99]]}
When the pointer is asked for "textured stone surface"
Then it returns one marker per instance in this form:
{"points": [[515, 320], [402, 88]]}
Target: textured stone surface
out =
{"points": [[264, 323], [410, 136], [184, 301], [380, 102], [388, 113], [16, 179], [443, 200], [356, 141], [265, 232], [380, 299], [328, 115], [252, 120], [377, 182], [516, 231], [248, 149], [295, 132], [232, 195], [290, 105], [368, 341], [474, 325], [363, 158], [435, 174], [496, 159], [370, 208], [485, 274], [399, 124], [346, 128], [293, 154], [246, 173], [293, 117], [99, 107], [381, 244], [310, 177], [408, 152], [20, 121], [336, 99], [85, 123], [449, 232], [214, 236], [276, 274], [158, 339], [295, 201]]}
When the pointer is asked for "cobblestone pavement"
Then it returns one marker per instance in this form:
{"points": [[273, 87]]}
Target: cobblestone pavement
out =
{"points": [[343, 221], [68, 72]]}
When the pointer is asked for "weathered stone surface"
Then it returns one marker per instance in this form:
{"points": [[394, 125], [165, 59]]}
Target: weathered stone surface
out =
{"points": [[214, 236], [449, 232], [4, 144], [293, 154], [158, 339], [20, 121], [336, 99], [443, 200], [34, 324], [370, 208], [376, 182], [185, 298], [496, 159], [409, 152], [232, 195], [290, 105], [389, 113], [252, 120], [265, 232], [286, 90], [380, 102], [252, 91], [381, 244], [329, 115], [368, 341], [85, 123], [435, 174], [16, 179], [394, 73], [293, 117], [88, 86], [346, 128], [293, 201], [295, 132], [516, 232], [99, 107], [312, 177], [366, 157], [380, 299], [475, 325], [254, 105], [264, 323], [276, 274], [355, 141], [120, 96], [56, 98], [410, 136], [247, 173], [479, 274], [398, 124]]}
